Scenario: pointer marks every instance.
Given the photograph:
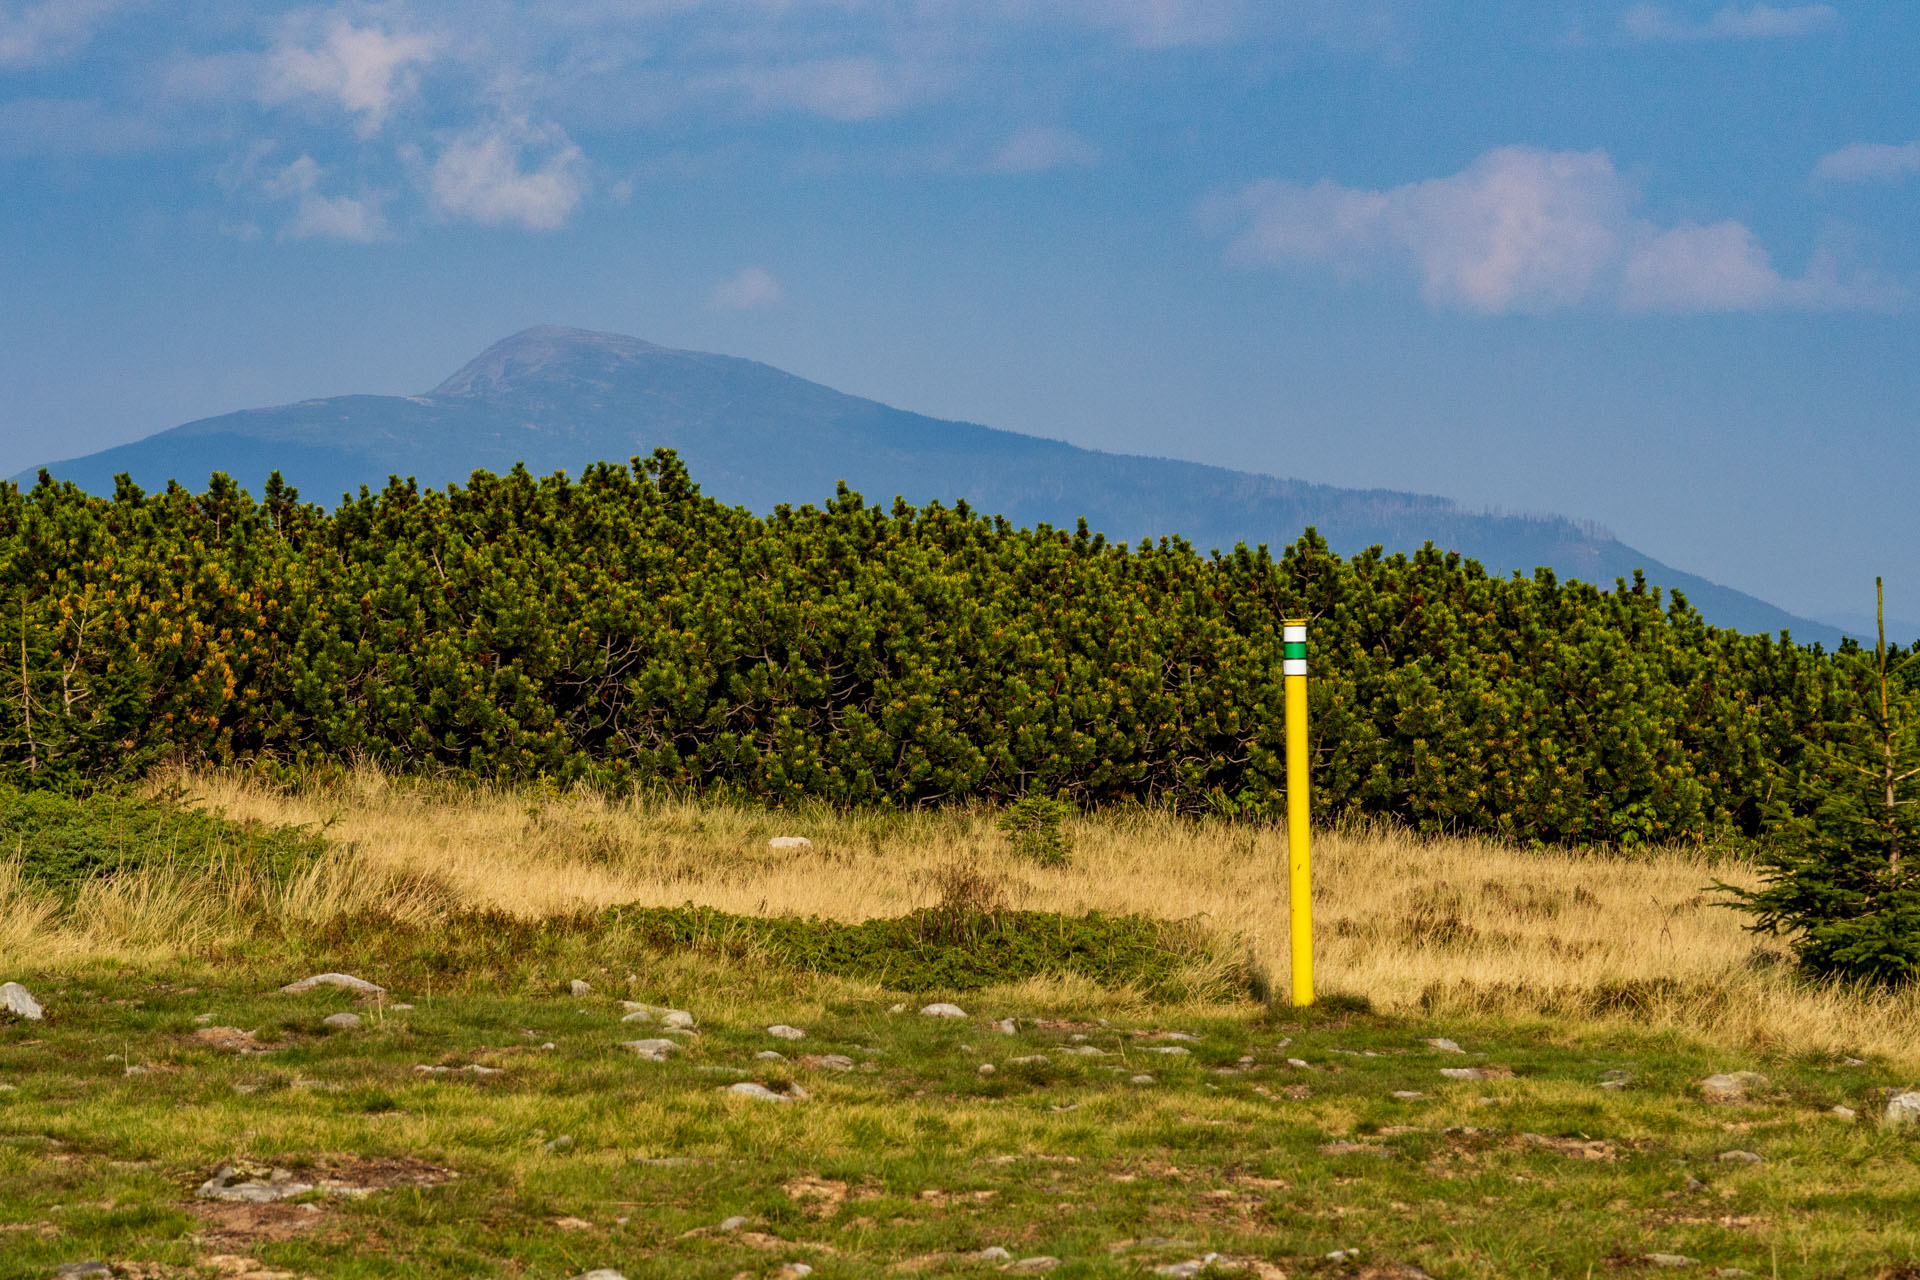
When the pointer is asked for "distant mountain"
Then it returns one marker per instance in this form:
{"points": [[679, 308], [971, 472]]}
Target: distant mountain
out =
{"points": [[558, 399]]}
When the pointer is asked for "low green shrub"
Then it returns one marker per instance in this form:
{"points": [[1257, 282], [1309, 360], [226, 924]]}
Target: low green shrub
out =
{"points": [[62, 841], [1032, 823]]}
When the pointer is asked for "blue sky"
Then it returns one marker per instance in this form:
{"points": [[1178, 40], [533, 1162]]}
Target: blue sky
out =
{"points": [[1652, 265]]}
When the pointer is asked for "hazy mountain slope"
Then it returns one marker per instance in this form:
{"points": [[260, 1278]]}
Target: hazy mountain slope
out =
{"points": [[558, 399]]}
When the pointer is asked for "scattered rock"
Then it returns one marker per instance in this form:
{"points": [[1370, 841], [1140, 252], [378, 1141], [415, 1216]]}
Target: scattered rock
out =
{"points": [[769, 1055], [1669, 1260], [559, 1146], [1176, 1035], [232, 1039], [1007, 1027], [1740, 1157], [1843, 1112], [896, 1008], [1031, 1060], [1187, 1270], [651, 1050], [600, 1273], [1463, 1073], [472, 1069], [1087, 1051], [1694, 1184], [781, 1031], [827, 1061], [1731, 1086], [1299, 1063], [987, 1068], [19, 1002], [1853, 1062], [1168, 1048], [1142, 1078], [343, 980], [1441, 1044], [343, 1021], [1343, 1255], [789, 842], [795, 1271], [1408, 1095], [992, 1253], [92, 1269], [579, 988], [671, 1019], [751, 1089], [942, 1010], [1351, 1149], [732, 1224], [233, 1183], [1903, 1109], [571, 1223], [1031, 1266]]}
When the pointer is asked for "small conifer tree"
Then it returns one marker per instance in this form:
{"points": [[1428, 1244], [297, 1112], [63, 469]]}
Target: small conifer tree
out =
{"points": [[1843, 867]]}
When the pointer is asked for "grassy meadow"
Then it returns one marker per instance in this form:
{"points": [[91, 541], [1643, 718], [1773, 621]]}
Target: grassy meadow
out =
{"points": [[484, 1119]]}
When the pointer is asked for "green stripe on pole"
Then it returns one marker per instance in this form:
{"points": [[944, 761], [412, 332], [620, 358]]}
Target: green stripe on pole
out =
{"points": [[1294, 649]]}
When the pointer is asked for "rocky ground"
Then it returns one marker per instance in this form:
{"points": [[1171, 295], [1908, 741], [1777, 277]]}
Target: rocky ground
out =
{"points": [[725, 1122]]}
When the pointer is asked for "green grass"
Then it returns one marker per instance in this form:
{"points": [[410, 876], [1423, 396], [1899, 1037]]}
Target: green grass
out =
{"points": [[899, 1165], [64, 841]]}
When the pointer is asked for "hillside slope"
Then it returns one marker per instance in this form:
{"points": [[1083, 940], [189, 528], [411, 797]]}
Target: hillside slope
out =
{"points": [[558, 398]]}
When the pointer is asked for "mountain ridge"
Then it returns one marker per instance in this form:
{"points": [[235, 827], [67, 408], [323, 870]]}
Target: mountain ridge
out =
{"points": [[558, 399]]}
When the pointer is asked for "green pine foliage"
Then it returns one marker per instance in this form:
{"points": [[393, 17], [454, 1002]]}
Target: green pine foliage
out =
{"points": [[1033, 824], [1842, 881], [622, 629]]}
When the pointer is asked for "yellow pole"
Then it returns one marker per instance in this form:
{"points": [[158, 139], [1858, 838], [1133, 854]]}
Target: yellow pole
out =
{"points": [[1299, 837]]}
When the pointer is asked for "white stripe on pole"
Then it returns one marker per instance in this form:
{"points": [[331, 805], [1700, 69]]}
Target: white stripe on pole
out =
{"points": [[1293, 666]]}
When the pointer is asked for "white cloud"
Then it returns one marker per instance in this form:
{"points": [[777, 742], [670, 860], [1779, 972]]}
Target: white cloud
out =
{"points": [[50, 29], [1523, 230], [749, 289], [1518, 230], [1651, 22], [480, 177], [849, 88], [321, 217], [1038, 148], [365, 69], [1869, 162]]}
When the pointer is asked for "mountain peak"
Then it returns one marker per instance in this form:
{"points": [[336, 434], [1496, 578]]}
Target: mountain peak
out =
{"points": [[545, 354]]}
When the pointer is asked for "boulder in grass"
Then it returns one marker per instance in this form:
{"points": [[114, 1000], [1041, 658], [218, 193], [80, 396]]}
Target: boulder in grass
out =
{"points": [[345, 981], [789, 842], [780, 1031], [1903, 1110], [1731, 1086], [651, 1050], [942, 1010], [18, 1001], [761, 1093]]}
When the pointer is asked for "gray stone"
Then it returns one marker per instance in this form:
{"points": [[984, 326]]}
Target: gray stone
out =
{"points": [[836, 1062], [1188, 1269], [1031, 1266], [734, 1223], [671, 1019], [560, 1146], [1299, 1063], [1731, 1086], [1903, 1109], [1086, 1051], [579, 988], [768, 1055], [992, 1253], [19, 1002], [987, 1068], [942, 1010], [93, 1269], [1007, 1027], [781, 1031], [345, 981], [1669, 1260], [1142, 1078], [1463, 1073], [343, 1021], [1843, 1112], [1168, 1048], [1031, 1060], [795, 1271], [789, 842], [600, 1273], [1178, 1035], [651, 1050], [1443, 1045], [1740, 1157], [1408, 1095], [229, 1184], [760, 1092]]}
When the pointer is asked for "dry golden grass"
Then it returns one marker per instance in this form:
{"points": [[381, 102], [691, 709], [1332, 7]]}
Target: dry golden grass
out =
{"points": [[1448, 925]]}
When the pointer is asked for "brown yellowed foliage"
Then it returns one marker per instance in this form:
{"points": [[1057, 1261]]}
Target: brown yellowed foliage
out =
{"points": [[1414, 924]]}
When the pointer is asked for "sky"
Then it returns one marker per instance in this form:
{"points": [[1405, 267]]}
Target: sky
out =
{"points": [[1649, 265]]}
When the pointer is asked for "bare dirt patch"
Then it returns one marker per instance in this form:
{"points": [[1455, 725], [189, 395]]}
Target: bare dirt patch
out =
{"points": [[232, 1040]]}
